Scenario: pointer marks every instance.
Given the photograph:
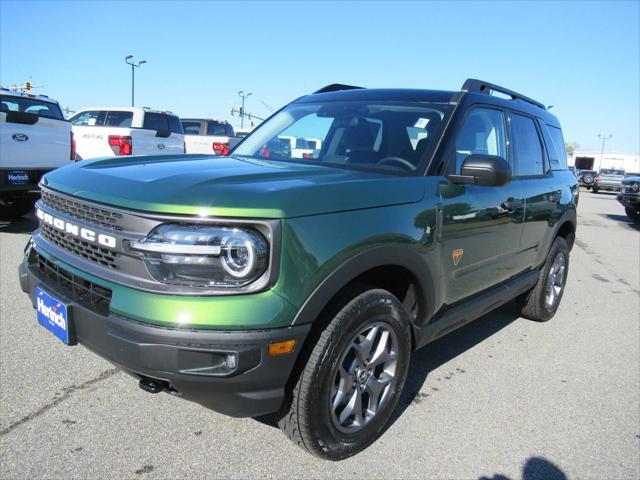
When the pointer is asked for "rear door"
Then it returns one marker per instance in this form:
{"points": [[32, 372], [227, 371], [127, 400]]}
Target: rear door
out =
{"points": [[481, 225], [33, 134], [540, 191], [161, 134]]}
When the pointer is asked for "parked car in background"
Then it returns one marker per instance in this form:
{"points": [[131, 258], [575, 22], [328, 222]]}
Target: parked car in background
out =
{"points": [[213, 137], [586, 178], [629, 197], [608, 179], [35, 138], [243, 132], [302, 147], [117, 131]]}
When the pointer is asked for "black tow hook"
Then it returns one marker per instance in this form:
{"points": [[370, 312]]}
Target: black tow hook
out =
{"points": [[152, 386]]}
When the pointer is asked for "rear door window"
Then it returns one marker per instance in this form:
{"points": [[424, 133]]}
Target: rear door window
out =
{"points": [[118, 119], [90, 118], [160, 121], [216, 129], [528, 150], [191, 128]]}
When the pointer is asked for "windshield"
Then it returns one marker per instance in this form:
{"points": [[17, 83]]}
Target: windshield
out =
{"points": [[397, 137]]}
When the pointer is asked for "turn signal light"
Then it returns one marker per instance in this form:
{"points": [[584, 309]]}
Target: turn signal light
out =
{"points": [[120, 144], [281, 348]]}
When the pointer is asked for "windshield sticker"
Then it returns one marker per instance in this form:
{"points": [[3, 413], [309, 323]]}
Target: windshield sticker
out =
{"points": [[421, 123]]}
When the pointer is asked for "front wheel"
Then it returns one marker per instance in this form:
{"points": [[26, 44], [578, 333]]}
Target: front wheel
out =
{"points": [[633, 213], [541, 303], [348, 388]]}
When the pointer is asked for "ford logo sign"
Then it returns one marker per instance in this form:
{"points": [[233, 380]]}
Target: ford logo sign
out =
{"points": [[161, 146], [20, 137]]}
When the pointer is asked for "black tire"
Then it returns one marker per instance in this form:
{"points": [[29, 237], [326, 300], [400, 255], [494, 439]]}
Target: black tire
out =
{"points": [[595, 189], [15, 207], [534, 304], [633, 213], [306, 416]]}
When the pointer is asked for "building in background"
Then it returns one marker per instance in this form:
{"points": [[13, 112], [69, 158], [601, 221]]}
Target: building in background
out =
{"points": [[593, 160]]}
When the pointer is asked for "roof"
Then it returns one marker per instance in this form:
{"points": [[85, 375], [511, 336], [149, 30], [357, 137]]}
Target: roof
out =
{"points": [[127, 109], [13, 93]]}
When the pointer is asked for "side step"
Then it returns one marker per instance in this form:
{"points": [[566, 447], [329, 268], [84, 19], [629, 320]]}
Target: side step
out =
{"points": [[460, 315]]}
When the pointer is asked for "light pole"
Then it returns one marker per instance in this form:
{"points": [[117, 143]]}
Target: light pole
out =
{"points": [[243, 96], [134, 65], [604, 138]]}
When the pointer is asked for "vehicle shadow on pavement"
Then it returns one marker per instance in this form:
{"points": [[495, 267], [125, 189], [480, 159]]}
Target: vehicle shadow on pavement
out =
{"points": [[623, 219], [536, 468], [441, 351], [26, 224]]}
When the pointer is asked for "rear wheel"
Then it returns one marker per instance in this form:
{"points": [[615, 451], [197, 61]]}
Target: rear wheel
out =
{"points": [[633, 213], [541, 303], [15, 207], [595, 189], [348, 388]]}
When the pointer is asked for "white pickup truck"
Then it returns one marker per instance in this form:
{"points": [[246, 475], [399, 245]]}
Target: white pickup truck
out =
{"points": [[202, 135], [114, 131], [35, 138]]}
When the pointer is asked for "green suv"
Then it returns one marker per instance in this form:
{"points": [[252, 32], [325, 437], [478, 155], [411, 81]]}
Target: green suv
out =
{"points": [[297, 282]]}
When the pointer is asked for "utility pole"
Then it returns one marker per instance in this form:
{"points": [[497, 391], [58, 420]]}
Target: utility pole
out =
{"points": [[134, 65], [243, 96], [604, 138]]}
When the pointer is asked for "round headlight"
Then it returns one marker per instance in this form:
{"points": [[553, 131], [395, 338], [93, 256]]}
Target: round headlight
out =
{"points": [[204, 255]]}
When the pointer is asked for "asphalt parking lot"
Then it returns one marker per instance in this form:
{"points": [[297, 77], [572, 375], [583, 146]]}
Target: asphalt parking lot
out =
{"points": [[502, 398]]}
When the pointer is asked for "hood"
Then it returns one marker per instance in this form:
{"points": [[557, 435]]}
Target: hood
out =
{"points": [[230, 186]]}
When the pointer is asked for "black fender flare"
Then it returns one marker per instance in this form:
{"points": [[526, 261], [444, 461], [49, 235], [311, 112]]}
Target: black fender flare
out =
{"points": [[385, 255]]}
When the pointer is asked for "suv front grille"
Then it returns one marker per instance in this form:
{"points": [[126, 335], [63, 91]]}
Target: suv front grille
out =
{"points": [[75, 288], [91, 214], [66, 241]]}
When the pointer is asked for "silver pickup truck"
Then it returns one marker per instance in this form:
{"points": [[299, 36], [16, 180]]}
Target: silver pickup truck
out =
{"points": [[608, 179]]}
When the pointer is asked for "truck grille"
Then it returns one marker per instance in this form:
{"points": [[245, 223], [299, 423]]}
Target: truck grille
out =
{"points": [[72, 286], [88, 213], [95, 253]]}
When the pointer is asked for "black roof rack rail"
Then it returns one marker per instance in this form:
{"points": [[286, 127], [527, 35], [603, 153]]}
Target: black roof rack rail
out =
{"points": [[475, 85], [334, 87]]}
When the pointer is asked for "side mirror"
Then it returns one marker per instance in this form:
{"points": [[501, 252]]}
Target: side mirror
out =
{"points": [[163, 133], [485, 170]]}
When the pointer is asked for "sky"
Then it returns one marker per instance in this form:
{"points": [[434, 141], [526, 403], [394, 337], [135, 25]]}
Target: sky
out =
{"points": [[581, 57]]}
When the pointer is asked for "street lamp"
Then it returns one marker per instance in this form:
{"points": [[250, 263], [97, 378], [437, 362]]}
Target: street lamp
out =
{"points": [[243, 96], [604, 138], [134, 65]]}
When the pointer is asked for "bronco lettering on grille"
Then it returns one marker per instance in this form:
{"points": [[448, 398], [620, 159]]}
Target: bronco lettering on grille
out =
{"points": [[77, 231]]}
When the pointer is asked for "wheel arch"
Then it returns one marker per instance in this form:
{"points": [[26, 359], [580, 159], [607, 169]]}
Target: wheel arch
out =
{"points": [[388, 267]]}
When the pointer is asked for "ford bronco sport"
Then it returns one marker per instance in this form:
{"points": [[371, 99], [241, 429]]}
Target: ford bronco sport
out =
{"points": [[259, 283]]}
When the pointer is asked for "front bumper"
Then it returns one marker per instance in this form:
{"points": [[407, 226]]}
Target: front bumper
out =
{"points": [[189, 363]]}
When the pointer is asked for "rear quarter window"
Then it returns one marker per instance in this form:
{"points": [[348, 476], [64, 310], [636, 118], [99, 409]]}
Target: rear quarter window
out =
{"points": [[555, 147], [191, 128]]}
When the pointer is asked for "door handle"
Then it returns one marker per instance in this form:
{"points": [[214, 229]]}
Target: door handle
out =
{"points": [[513, 204]]}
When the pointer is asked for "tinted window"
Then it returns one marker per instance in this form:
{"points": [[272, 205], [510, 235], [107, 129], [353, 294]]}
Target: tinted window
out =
{"points": [[31, 105], [611, 171], [528, 157], [119, 119], [216, 128], [191, 128], [229, 129], [159, 121], [483, 134], [90, 118], [556, 148]]}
